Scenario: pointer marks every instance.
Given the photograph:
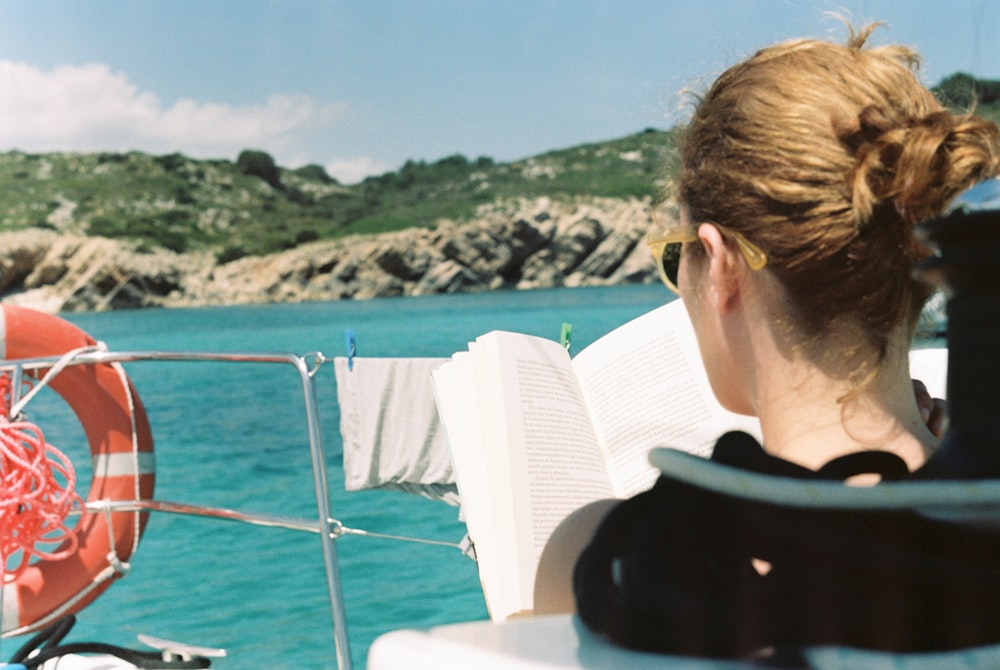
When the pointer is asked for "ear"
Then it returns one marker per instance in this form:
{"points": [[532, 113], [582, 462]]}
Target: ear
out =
{"points": [[724, 271]]}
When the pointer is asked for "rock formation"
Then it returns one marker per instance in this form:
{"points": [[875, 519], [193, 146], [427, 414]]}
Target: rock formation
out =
{"points": [[526, 245]]}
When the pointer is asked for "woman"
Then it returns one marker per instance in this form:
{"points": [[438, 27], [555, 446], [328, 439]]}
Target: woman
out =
{"points": [[804, 171]]}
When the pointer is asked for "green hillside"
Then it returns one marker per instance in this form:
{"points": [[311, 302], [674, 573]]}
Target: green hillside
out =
{"points": [[252, 206]]}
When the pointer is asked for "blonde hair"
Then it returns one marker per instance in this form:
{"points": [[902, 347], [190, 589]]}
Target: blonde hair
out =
{"points": [[826, 156]]}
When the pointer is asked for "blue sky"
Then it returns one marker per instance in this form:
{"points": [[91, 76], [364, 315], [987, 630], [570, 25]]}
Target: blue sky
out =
{"points": [[362, 86]]}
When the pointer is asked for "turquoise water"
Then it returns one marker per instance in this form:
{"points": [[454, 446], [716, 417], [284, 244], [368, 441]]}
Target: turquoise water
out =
{"points": [[233, 435]]}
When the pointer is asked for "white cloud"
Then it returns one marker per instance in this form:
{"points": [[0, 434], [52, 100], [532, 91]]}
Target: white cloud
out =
{"points": [[91, 108], [353, 170]]}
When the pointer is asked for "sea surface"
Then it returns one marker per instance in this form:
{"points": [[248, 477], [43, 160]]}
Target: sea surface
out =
{"points": [[233, 435]]}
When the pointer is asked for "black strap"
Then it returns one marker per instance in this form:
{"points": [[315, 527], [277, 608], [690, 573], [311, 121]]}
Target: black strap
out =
{"points": [[49, 636], [47, 645], [887, 465], [140, 659], [743, 451]]}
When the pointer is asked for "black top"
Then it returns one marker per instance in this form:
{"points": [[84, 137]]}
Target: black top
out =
{"points": [[684, 570]]}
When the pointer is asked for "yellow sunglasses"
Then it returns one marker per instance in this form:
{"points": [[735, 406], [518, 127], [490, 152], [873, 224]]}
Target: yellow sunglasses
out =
{"points": [[665, 241]]}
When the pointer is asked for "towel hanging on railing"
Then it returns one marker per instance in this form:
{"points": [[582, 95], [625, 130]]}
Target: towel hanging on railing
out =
{"points": [[390, 427]]}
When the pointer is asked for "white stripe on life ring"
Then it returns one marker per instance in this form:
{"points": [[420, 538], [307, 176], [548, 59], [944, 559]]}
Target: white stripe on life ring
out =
{"points": [[124, 464], [3, 335], [11, 610]]}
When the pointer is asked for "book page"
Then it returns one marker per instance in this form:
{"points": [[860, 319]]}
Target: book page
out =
{"points": [[931, 367], [539, 449], [456, 392], [646, 387]]}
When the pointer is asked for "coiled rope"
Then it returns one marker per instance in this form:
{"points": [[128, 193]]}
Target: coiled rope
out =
{"points": [[37, 488]]}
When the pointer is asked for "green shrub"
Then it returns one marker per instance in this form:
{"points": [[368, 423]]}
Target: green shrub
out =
{"points": [[230, 253], [304, 236], [105, 226], [175, 241], [171, 162], [184, 195], [962, 91], [108, 157], [259, 164], [315, 173]]}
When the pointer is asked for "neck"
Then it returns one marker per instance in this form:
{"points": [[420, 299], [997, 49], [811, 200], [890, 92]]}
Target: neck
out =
{"points": [[811, 414]]}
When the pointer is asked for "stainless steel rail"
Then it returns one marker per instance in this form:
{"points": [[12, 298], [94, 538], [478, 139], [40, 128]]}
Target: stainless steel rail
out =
{"points": [[186, 509], [337, 528], [306, 366]]}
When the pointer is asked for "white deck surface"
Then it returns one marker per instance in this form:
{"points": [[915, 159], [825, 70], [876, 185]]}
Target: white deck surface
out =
{"points": [[535, 644], [546, 643]]}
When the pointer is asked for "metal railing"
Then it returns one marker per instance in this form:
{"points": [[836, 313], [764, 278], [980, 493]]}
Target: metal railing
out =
{"points": [[324, 525]]}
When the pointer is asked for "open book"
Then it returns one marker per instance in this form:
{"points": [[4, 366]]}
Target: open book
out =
{"points": [[535, 434]]}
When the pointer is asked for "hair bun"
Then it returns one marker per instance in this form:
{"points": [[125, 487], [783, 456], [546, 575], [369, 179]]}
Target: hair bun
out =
{"points": [[920, 165], [877, 143], [873, 122]]}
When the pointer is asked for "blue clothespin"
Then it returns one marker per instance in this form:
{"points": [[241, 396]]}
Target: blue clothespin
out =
{"points": [[566, 335], [352, 347]]}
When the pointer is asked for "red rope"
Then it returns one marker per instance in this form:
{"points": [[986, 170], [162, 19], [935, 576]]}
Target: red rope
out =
{"points": [[37, 494]]}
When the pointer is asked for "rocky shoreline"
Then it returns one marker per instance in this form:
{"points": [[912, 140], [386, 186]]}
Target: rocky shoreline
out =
{"points": [[523, 245]]}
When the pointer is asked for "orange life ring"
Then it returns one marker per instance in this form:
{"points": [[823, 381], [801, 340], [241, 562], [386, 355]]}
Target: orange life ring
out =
{"points": [[121, 448]]}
